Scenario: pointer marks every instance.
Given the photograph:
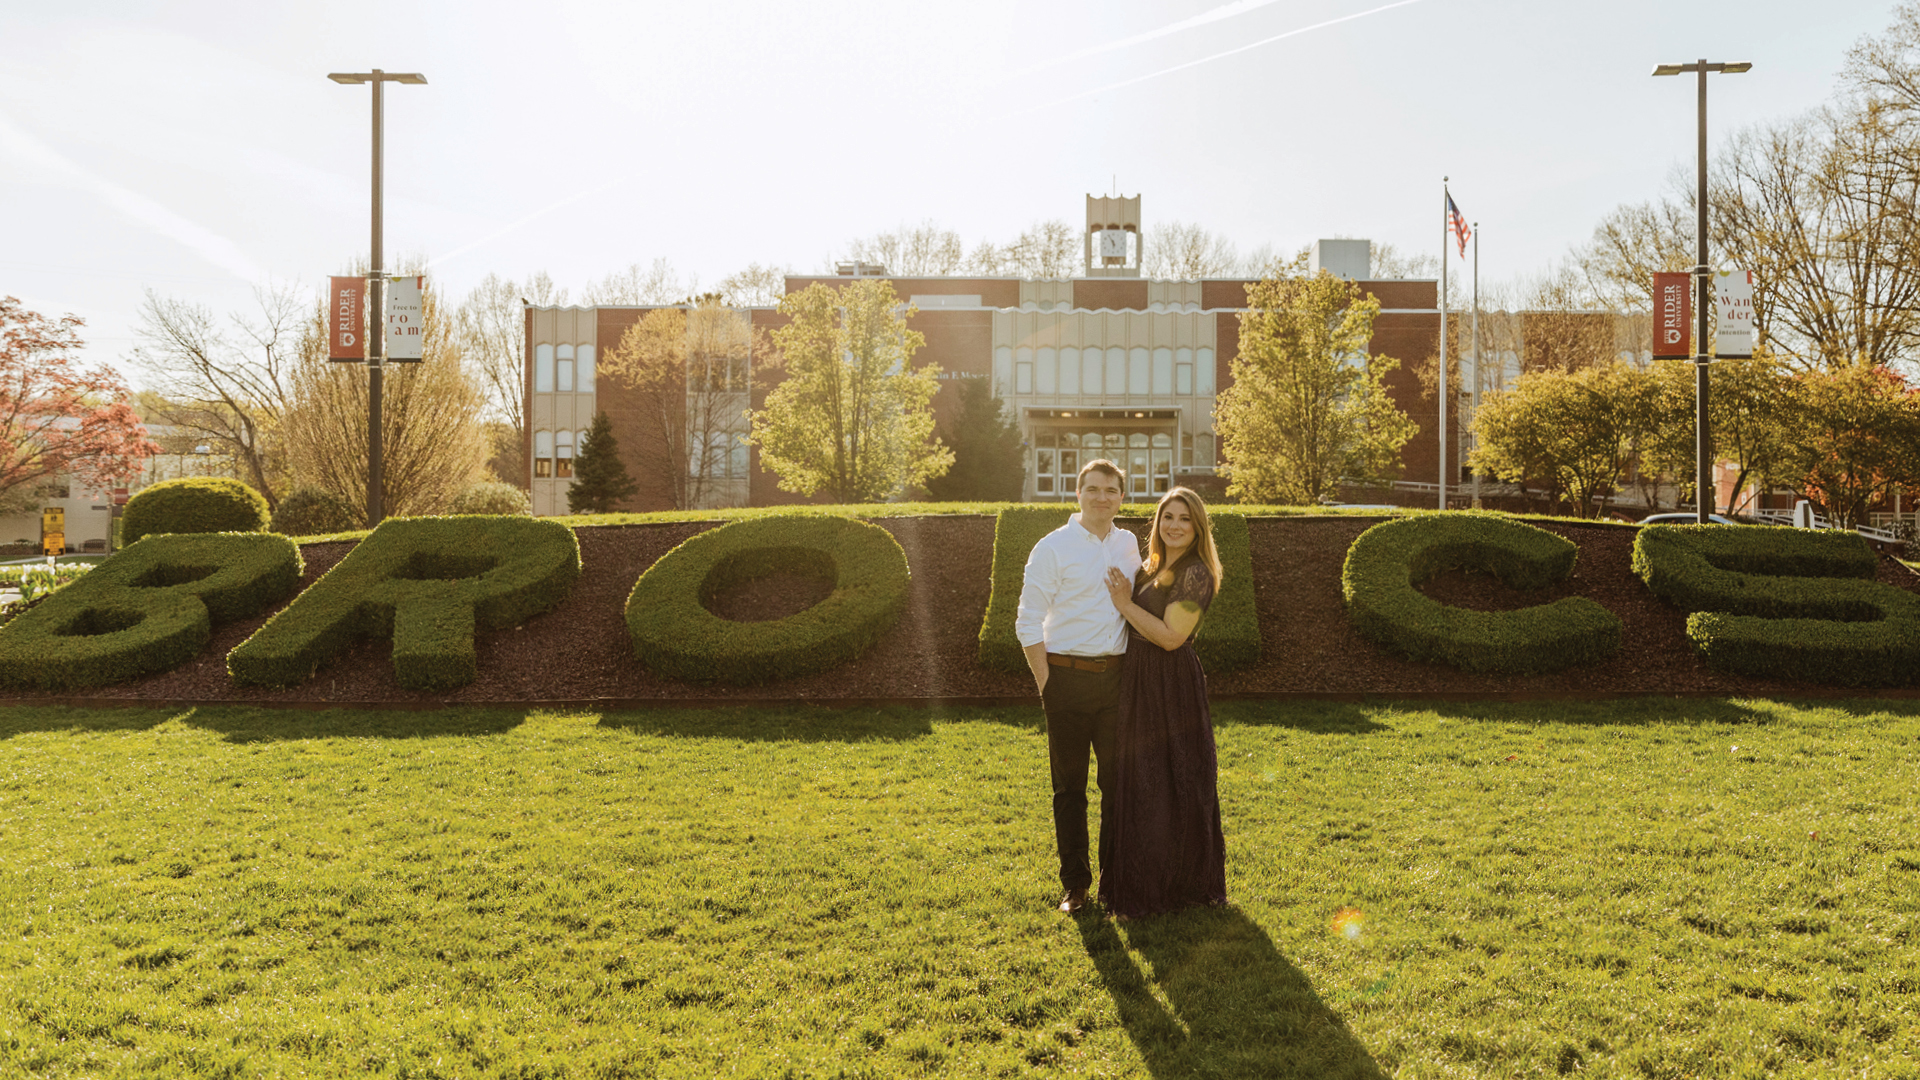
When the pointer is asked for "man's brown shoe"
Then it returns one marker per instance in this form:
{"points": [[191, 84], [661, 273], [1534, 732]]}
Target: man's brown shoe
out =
{"points": [[1073, 901]]}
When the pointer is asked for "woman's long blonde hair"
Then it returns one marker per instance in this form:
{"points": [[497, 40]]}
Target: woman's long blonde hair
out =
{"points": [[1202, 534]]}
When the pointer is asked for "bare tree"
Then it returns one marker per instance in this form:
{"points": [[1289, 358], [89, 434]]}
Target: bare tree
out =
{"points": [[923, 250], [1182, 251], [755, 286], [491, 330], [433, 438], [1045, 249], [227, 384], [641, 286]]}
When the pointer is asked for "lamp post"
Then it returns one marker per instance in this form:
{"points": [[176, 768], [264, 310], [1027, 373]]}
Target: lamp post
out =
{"points": [[376, 287], [1703, 277]]}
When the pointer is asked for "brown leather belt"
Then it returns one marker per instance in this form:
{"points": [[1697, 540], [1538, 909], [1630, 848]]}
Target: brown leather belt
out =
{"points": [[1084, 663]]}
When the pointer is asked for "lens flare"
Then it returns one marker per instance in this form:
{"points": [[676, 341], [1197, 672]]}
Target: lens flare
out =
{"points": [[1348, 922]]}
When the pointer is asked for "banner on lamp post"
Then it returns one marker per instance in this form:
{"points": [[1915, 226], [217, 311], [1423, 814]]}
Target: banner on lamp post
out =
{"points": [[346, 319], [1733, 297], [405, 330], [1672, 316]]}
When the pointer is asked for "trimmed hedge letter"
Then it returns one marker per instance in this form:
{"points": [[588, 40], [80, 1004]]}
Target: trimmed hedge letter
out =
{"points": [[1388, 560], [428, 583], [149, 608], [676, 636], [1784, 603]]}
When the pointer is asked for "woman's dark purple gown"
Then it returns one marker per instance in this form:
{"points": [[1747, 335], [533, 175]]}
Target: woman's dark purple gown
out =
{"points": [[1168, 852]]}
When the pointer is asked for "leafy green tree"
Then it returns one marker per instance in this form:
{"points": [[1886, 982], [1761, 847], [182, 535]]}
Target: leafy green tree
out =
{"points": [[599, 477], [1573, 430], [989, 464], [853, 417], [1852, 436], [1308, 407], [1746, 413]]}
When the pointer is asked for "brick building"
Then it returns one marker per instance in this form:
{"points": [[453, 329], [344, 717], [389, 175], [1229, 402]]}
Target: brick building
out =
{"points": [[1106, 364]]}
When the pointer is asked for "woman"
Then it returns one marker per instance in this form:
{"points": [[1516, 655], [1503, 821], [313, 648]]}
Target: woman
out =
{"points": [[1168, 849]]}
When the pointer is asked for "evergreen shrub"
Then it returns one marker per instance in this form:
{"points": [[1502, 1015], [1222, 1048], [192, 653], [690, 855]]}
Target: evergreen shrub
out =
{"points": [[148, 608], [430, 584], [313, 511], [1229, 636], [1784, 603], [1386, 562], [491, 497], [195, 504], [676, 636]]}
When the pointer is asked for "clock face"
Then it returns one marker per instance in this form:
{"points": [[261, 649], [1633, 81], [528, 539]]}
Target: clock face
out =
{"points": [[1113, 244]]}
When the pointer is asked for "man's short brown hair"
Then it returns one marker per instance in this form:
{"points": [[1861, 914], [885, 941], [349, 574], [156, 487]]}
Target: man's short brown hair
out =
{"points": [[1101, 465]]}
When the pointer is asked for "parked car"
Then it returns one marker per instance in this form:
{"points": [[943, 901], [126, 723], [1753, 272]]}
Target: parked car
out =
{"points": [[1687, 519]]}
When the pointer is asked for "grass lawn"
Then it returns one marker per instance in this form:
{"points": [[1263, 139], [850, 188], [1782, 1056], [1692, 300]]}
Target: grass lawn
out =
{"points": [[1649, 888]]}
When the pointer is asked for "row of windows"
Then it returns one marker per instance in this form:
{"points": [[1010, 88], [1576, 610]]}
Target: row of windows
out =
{"points": [[1147, 457], [553, 453], [718, 455], [562, 368], [1109, 372]]}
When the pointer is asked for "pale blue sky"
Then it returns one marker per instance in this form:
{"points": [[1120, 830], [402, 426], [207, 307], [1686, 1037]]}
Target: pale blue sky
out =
{"points": [[196, 146]]}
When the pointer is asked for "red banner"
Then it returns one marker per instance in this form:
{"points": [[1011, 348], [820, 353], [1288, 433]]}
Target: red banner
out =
{"points": [[1672, 316], [346, 318]]}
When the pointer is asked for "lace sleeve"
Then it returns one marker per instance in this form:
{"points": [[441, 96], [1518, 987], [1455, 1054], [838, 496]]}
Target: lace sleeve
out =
{"points": [[1194, 585]]}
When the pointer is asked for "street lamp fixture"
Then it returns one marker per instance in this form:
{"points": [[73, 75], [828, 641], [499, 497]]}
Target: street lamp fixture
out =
{"points": [[376, 287], [1703, 277]]}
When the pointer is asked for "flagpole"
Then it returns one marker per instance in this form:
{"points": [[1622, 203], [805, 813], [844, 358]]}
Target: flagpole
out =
{"points": [[1446, 201], [1477, 366]]}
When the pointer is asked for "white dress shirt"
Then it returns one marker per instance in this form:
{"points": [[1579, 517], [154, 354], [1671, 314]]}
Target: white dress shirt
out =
{"points": [[1064, 600]]}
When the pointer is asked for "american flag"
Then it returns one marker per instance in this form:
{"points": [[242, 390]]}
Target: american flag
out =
{"points": [[1459, 223]]}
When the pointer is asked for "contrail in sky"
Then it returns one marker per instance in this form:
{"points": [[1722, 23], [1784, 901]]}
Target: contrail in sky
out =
{"points": [[537, 214], [1224, 11], [209, 245], [1246, 4]]}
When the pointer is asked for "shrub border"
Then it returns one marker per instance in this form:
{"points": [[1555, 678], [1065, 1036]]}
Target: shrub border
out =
{"points": [[675, 635], [1386, 562]]}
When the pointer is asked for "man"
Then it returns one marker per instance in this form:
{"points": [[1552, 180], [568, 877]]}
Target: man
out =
{"points": [[1074, 640]]}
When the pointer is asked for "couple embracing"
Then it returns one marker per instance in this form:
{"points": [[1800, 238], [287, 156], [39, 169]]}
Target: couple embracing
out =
{"points": [[1110, 642]]}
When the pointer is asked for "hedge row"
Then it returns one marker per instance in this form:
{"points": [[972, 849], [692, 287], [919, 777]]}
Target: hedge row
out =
{"points": [[675, 635], [1388, 560], [1784, 603], [147, 609], [1229, 635], [195, 504], [430, 584]]}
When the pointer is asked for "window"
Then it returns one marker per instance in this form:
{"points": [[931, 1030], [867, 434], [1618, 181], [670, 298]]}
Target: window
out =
{"points": [[1046, 372], [1090, 366], [563, 454], [1163, 371], [1203, 450], [1043, 460], [1139, 380], [563, 368], [1003, 369], [1136, 462], [1186, 451], [1162, 463], [542, 453], [1116, 372], [721, 455], [583, 375], [1069, 370], [1203, 372], [737, 459], [1022, 373], [543, 369]]}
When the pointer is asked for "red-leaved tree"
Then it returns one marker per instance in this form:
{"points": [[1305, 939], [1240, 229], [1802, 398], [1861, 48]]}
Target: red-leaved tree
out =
{"points": [[56, 421]]}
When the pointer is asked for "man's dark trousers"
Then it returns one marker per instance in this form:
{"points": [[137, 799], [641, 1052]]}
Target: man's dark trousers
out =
{"points": [[1083, 713]]}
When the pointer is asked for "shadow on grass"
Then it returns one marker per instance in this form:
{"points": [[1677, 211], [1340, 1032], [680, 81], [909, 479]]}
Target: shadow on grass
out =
{"points": [[1239, 1008], [32, 719], [244, 725], [1618, 712], [780, 723]]}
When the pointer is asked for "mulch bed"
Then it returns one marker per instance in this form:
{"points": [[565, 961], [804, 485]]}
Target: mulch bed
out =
{"points": [[579, 651]]}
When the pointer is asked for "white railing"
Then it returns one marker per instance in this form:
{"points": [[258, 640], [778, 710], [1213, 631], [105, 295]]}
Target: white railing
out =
{"points": [[1785, 517]]}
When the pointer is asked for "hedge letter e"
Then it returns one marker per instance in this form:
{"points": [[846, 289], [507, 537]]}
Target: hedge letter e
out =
{"points": [[147, 609], [1784, 603], [430, 584]]}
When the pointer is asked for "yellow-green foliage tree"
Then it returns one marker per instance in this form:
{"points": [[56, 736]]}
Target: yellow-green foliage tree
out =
{"points": [[1573, 431], [852, 417], [1747, 414], [1308, 407]]}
